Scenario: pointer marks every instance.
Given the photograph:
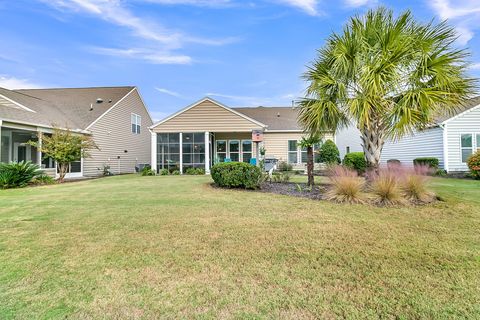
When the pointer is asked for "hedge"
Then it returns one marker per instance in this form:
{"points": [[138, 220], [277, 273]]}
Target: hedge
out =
{"points": [[356, 161], [431, 162], [236, 175], [474, 165]]}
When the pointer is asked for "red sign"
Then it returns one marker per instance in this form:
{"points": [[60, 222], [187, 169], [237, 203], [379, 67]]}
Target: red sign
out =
{"points": [[257, 135]]}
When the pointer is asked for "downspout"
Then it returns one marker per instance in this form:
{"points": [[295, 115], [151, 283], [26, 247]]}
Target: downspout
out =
{"points": [[445, 146]]}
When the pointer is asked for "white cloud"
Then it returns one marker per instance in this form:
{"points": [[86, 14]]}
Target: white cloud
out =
{"points": [[475, 66], [158, 115], [463, 14], [201, 3], [359, 3], [147, 55], [252, 101], [169, 92], [16, 83], [308, 6]]}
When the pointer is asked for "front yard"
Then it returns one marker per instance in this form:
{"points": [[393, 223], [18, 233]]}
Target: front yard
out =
{"points": [[173, 247]]}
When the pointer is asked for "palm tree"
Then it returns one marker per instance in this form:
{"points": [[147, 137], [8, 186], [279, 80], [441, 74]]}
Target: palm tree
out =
{"points": [[308, 142], [388, 76]]}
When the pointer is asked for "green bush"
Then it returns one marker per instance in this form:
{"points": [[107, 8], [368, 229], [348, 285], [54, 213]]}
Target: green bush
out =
{"points": [[473, 163], [164, 172], [236, 175], [329, 153], [147, 171], [430, 162], [43, 179], [356, 161], [18, 174], [281, 177], [284, 166], [176, 172], [195, 171]]}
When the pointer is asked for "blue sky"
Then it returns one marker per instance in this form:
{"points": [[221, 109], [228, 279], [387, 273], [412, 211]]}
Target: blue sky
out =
{"points": [[243, 53]]}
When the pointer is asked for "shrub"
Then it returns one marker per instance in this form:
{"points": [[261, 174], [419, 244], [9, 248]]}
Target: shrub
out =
{"points": [[385, 187], [164, 172], [393, 163], [195, 171], [346, 185], [415, 188], [473, 163], [284, 166], [281, 177], [43, 179], [356, 161], [329, 153], [147, 171], [18, 174], [236, 175], [176, 172], [430, 162]]}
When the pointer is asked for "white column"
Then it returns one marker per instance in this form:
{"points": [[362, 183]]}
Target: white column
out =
{"points": [[1, 143], [207, 152], [39, 153], [181, 152], [153, 158]]}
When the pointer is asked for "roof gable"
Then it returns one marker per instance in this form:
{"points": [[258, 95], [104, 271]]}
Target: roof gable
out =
{"points": [[208, 115]]}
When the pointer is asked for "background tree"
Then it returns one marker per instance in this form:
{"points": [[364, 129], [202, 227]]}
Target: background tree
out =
{"points": [[329, 153], [388, 76], [65, 147], [307, 143]]}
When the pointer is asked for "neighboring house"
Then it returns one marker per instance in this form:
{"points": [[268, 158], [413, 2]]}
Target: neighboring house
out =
{"points": [[115, 117], [452, 139], [207, 132]]}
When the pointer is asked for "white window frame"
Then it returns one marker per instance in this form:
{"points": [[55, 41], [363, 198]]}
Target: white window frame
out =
{"points": [[216, 148], [289, 152], [241, 149], [136, 120], [472, 148]]}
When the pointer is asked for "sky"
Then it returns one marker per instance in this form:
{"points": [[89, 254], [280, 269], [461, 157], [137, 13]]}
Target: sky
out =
{"points": [[239, 52]]}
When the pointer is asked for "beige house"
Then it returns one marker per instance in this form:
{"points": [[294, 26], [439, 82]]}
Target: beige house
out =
{"points": [[207, 132], [115, 117]]}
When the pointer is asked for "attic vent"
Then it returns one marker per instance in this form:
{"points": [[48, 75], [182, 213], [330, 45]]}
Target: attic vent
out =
{"points": [[99, 100], [278, 114], [91, 106], [110, 101]]}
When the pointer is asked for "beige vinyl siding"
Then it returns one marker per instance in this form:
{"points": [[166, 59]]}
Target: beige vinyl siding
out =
{"points": [[113, 135], [235, 136], [276, 144], [469, 122], [207, 116]]}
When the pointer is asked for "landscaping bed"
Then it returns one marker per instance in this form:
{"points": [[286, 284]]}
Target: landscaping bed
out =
{"points": [[294, 189]]}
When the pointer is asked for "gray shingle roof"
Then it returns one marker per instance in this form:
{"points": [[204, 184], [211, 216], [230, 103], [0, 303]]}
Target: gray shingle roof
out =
{"points": [[469, 104], [63, 107], [276, 118]]}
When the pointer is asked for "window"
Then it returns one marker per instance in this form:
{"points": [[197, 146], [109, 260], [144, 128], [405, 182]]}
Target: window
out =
{"points": [[466, 146], [221, 150], [234, 150], [168, 151], [292, 151], [347, 150], [136, 123], [193, 150], [478, 141], [304, 155], [246, 150]]}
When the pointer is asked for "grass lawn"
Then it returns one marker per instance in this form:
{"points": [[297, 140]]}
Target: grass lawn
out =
{"points": [[173, 247]]}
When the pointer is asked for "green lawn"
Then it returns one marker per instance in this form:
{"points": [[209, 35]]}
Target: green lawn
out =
{"points": [[173, 247]]}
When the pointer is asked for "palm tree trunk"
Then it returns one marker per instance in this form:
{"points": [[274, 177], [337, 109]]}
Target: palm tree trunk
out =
{"points": [[311, 181], [372, 143]]}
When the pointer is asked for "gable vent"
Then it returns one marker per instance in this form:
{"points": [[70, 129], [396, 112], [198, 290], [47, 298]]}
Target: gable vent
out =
{"points": [[99, 100]]}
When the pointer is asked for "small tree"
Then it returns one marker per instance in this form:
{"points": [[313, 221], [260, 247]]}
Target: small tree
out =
{"points": [[329, 153], [65, 147], [308, 143]]}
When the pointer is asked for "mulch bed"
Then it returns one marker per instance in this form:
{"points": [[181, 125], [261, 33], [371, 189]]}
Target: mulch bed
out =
{"points": [[294, 189]]}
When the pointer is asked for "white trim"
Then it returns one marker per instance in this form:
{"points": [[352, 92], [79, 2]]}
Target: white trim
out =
{"points": [[207, 152], [445, 147], [460, 114], [137, 117], [180, 151], [18, 104], [279, 131], [153, 156], [109, 109], [212, 101], [39, 127]]}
